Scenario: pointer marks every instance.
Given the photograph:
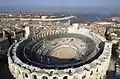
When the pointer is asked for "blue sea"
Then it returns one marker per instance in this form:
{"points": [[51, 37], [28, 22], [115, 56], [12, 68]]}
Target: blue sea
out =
{"points": [[93, 16]]}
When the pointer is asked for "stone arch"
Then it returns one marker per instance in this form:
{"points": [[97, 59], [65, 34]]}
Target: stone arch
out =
{"points": [[75, 77], [55, 77], [44, 77], [84, 76], [25, 75], [53, 32], [34, 76], [43, 34], [46, 33], [14, 33], [12, 67], [39, 36], [91, 73], [100, 69], [17, 71], [65, 77], [97, 70]]}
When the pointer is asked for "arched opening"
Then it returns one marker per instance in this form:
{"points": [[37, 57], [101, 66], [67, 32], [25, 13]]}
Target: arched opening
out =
{"points": [[44, 77], [65, 77], [25, 75], [13, 68], [97, 70], [81, 45], [55, 77], [34, 77], [70, 72], [18, 71], [83, 77], [91, 73], [51, 72]]}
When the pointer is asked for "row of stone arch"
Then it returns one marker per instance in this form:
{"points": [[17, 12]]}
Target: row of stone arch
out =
{"points": [[47, 33], [35, 76], [21, 73]]}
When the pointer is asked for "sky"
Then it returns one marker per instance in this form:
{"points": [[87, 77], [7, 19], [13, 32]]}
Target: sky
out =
{"points": [[61, 3], [66, 3]]}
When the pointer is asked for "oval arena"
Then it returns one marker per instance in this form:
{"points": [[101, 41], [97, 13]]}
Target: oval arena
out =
{"points": [[60, 54]]}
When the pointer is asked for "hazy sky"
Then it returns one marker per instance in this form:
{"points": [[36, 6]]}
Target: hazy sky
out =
{"points": [[62, 3]]}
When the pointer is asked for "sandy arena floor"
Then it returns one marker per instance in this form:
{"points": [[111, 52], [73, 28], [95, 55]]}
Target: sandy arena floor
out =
{"points": [[64, 53]]}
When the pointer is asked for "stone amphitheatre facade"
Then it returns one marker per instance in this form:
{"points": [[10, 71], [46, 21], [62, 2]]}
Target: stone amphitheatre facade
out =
{"points": [[69, 53]]}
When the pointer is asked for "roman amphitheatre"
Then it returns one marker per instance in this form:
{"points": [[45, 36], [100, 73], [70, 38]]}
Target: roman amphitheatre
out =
{"points": [[60, 54]]}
